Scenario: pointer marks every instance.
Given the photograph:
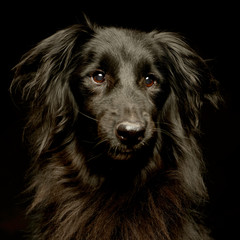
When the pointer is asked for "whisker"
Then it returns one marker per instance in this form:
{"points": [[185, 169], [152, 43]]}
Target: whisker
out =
{"points": [[101, 142], [87, 116], [169, 133], [96, 156], [163, 131]]}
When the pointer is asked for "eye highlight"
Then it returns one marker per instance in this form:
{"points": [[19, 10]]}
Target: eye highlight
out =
{"points": [[149, 80], [98, 76]]}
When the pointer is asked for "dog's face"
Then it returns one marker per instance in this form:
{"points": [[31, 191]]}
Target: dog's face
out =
{"points": [[124, 90], [120, 94]]}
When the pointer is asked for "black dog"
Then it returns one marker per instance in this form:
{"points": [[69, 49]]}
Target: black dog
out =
{"points": [[113, 116]]}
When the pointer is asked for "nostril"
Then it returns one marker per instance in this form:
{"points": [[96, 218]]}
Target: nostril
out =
{"points": [[130, 133]]}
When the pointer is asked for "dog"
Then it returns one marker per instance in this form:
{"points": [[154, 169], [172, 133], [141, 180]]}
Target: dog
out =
{"points": [[113, 121]]}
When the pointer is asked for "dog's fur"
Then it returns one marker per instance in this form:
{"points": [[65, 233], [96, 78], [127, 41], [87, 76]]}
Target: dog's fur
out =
{"points": [[90, 178]]}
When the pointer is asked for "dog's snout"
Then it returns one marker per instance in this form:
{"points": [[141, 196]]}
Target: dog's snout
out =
{"points": [[130, 133]]}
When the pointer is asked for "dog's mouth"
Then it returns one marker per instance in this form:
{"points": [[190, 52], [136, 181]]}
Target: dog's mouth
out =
{"points": [[122, 154]]}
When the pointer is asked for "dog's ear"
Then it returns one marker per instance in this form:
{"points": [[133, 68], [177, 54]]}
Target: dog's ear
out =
{"points": [[49, 64], [41, 81], [188, 75], [191, 85]]}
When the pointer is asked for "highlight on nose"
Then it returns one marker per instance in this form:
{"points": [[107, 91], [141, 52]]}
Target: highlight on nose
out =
{"points": [[130, 133]]}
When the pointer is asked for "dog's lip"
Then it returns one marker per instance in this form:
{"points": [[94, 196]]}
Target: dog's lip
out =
{"points": [[122, 154], [128, 150]]}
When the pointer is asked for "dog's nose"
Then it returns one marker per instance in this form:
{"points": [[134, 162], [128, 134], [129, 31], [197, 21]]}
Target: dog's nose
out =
{"points": [[130, 133]]}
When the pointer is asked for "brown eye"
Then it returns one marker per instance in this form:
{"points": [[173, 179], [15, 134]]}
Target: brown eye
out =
{"points": [[98, 76], [150, 80]]}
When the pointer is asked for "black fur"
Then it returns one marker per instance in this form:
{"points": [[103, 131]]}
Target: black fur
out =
{"points": [[113, 117]]}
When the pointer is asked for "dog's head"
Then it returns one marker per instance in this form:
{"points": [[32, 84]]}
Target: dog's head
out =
{"points": [[120, 91], [120, 85], [138, 85]]}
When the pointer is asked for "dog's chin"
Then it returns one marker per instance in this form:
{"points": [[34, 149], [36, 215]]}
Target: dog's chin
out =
{"points": [[120, 155], [127, 153]]}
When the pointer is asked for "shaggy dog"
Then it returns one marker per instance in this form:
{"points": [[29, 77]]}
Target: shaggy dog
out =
{"points": [[113, 118]]}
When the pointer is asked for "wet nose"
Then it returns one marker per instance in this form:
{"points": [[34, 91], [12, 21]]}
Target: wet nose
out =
{"points": [[130, 133]]}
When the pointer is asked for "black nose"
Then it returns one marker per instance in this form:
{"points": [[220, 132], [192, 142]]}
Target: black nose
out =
{"points": [[130, 133]]}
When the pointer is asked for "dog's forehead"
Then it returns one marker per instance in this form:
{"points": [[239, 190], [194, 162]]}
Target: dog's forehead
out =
{"points": [[122, 44]]}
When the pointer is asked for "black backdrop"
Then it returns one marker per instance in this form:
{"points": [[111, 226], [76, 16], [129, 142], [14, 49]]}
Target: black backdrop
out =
{"points": [[212, 29]]}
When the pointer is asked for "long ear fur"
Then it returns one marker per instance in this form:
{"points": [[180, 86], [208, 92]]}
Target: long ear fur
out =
{"points": [[191, 86], [41, 85], [191, 80]]}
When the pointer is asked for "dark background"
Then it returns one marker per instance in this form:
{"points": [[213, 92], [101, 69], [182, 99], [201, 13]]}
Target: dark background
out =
{"points": [[211, 29]]}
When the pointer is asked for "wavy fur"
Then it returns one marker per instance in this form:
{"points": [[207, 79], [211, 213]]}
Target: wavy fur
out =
{"points": [[79, 191]]}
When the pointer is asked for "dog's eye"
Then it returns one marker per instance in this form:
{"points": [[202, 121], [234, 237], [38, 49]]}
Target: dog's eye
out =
{"points": [[150, 80], [98, 76]]}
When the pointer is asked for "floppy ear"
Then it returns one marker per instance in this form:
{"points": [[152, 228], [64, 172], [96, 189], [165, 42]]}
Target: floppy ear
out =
{"points": [[189, 77], [191, 85], [41, 84]]}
